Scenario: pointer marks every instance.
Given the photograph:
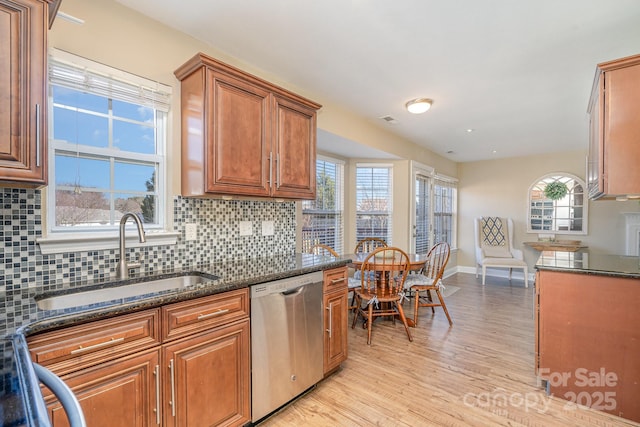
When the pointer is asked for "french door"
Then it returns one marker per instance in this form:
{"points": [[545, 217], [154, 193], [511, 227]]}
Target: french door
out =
{"points": [[421, 221]]}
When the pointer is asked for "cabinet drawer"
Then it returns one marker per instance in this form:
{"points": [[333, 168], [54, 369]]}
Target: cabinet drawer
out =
{"points": [[335, 279], [84, 345], [197, 315]]}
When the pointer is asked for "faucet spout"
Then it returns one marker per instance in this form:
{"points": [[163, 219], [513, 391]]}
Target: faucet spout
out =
{"points": [[123, 269]]}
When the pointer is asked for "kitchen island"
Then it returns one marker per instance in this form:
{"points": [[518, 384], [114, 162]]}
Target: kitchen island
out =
{"points": [[20, 397], [587, 330]]}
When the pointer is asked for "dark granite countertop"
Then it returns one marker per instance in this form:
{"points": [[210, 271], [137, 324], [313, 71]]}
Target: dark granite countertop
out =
{"points": [[584, 262], [20, 399]]}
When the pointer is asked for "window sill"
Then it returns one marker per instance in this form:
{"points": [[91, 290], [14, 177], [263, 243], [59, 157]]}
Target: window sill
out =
{"points": [[79, 242]]}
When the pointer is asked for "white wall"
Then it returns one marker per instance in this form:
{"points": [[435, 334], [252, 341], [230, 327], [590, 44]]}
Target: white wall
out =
{"points": [[500, 188]]}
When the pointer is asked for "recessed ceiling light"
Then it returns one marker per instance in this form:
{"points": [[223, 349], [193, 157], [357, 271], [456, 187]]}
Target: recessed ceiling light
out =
{"points": [[419, 105], [470, 130], [494, 151]]}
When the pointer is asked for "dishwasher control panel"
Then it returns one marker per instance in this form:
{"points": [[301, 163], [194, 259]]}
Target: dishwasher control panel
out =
{"points": [[282, 285]]}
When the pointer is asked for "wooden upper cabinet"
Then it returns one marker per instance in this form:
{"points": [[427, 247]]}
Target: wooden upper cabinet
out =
{"points": [[614, 146], [23, 96], [295, 150], [244, 136]]}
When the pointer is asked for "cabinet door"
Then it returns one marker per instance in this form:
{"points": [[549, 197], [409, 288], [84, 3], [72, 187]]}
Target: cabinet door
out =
{"points": [[295, 150], [621, 130], [208, 378], [237, 153], [336, 306], [23, 135], [123, 392]]}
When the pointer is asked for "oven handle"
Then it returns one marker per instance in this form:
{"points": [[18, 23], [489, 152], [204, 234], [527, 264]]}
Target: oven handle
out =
{"points": [[63, 393]]}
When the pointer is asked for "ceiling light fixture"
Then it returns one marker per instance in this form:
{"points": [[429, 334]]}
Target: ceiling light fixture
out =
{"points": [[419, 105]]}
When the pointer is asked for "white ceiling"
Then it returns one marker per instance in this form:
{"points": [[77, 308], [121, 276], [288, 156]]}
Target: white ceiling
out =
{"points": [[518, 72]]}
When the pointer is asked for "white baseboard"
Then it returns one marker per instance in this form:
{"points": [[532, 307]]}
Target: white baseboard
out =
{"points": [[493, 272]]}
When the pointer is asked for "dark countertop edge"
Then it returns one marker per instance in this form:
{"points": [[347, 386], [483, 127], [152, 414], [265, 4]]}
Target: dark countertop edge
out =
{"points": [[588, 271], [217, 286], [35, 410]]}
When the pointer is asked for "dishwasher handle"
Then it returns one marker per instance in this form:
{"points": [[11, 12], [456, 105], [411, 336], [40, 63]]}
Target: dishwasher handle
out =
{"points": [[63, 393], [292, 291]]}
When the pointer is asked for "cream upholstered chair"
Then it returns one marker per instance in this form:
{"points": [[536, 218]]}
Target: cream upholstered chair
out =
{"points": [[494, 247]]}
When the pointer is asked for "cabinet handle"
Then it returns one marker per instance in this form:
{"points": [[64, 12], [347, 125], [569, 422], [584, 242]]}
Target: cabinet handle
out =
{"points": [[278, 171], [112, 341], [330, 319], [270, 169], [38, 135], [334, 281], [156, 372], [172, 402], [214, 314]]}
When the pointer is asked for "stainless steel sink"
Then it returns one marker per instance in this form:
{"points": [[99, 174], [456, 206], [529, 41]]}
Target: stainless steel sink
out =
{"points": [[94, 296]]}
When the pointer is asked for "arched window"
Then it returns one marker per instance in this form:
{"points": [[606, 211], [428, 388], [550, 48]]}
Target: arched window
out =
{"points": [[553, 214]]}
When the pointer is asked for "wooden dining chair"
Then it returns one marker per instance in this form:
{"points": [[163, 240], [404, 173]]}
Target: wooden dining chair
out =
{"points": [[366, 245], [322, 249], [382, 291], [430, 279]]}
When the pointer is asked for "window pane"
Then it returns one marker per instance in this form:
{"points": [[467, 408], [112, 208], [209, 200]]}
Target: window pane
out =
{"points": [[373, 199], [124, 202], [133, 137], [80, 128], [422, 241], [85, 208], [134, 177], [80, 100], [131, 111], [322, 217], [85, 172]]}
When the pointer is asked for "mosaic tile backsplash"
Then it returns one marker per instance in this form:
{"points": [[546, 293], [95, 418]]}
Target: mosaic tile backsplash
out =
{"points": [[25, 271]]}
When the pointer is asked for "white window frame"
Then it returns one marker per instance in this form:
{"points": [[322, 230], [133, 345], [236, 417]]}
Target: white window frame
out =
{"points": [[340, 188], [62, 239], [388, 166]]}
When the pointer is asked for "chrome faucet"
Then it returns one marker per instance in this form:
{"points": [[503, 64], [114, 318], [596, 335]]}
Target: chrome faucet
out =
{"points": [[123, 267]]}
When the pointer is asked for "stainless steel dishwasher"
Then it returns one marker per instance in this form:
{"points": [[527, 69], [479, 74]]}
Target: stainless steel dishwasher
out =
{"points": [[286, 341]]}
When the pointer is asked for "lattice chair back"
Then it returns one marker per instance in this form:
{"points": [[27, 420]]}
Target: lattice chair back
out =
{"points": [[369, 244], [384, 271]]}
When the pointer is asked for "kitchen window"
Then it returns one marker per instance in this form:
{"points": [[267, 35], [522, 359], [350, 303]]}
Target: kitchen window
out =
{"points": [[374, 201], [323, 217], [107, 137]]}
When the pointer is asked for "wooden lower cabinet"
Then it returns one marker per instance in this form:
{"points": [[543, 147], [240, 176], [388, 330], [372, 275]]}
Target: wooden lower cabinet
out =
{"points": [[125, 376], [336, 305], [587, 340], [209, 378], [117, 393]]}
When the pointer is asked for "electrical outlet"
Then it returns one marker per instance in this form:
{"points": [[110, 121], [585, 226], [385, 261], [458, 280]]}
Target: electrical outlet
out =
{"points": [[190, 232], [246, 228], [267, 228]]}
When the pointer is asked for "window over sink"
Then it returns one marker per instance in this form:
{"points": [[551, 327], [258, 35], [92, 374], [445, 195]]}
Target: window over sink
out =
{"points": [[107, 146], [562, 214]]}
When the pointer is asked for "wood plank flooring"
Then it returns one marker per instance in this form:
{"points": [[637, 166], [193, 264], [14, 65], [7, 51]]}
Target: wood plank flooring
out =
{"points": [[480, 372]]}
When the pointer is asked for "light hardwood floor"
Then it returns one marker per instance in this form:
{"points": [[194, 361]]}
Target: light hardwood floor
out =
{"points": [[480, 372]]}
